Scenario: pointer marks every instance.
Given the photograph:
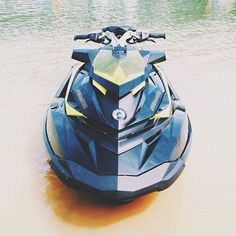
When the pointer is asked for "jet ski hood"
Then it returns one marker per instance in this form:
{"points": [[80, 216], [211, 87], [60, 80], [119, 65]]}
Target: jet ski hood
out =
{"points": [[118, 70]]}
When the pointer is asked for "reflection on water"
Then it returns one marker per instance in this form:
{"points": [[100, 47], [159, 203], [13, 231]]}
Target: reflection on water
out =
{"points": [[50, 17], [79, 207], [191, 10]]}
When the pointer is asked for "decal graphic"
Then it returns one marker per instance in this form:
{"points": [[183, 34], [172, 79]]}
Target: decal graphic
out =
{"points": [[155, 100], [81, 99]]}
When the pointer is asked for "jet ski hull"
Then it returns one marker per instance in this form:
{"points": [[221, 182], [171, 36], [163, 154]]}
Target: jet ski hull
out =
{"points": [[119, 187]]}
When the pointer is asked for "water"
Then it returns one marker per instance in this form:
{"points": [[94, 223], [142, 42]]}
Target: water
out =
{"points": [[35, 49]]}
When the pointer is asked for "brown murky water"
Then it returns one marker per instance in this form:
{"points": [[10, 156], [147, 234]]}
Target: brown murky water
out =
{"points": [[35, 47]]}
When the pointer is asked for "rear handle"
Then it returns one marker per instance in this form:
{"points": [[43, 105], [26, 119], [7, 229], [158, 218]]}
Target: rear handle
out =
{"points": [[157, 35], [81, 36]]}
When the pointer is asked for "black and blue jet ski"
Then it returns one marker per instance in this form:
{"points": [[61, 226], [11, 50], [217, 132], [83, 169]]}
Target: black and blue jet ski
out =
{"points": [[116, 126]]}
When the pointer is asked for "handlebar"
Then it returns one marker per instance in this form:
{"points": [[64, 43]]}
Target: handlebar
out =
{"points": [[95, 37], [157, 35], [81, 36], [130, 37]]}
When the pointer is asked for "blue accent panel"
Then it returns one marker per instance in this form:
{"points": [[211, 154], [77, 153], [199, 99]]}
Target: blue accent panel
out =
{"points": [[131, 161], [107, 161], [68, 143], [105, 182], [144, 53], [104, 161], [90, 107], [165, 147], [156, 57], [164, 102], [51, 153], [84, 55], [79, 147], [151, 99], [88, 146], [153, 56]]}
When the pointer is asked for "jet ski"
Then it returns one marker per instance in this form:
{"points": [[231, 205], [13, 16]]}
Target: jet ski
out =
{"points": [[116, 126]]}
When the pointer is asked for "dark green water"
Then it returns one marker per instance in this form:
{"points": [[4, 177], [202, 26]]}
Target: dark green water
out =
{"points": [[65, 17]]}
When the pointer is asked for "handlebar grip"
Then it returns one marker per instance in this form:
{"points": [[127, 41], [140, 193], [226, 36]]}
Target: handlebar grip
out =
{"points": [[157, 35], [81, 36]]}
